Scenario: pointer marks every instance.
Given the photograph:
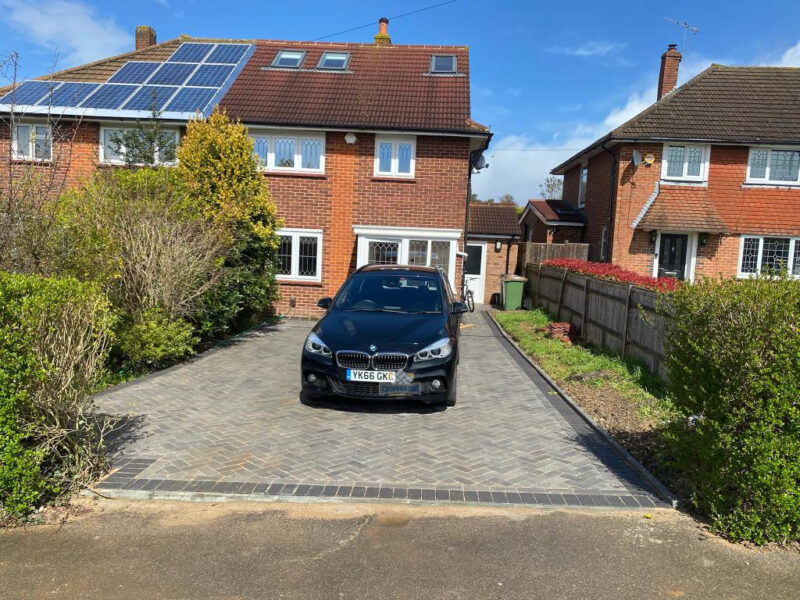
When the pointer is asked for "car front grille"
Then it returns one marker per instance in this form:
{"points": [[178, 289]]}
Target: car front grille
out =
{"points": [[353, 360], [367, 389], [389, 362]]}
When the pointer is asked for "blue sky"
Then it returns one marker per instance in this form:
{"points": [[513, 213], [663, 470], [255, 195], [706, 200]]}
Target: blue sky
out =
{"points": [[548, 77]]}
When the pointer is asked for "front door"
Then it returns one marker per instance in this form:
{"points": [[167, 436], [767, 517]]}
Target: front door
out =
{"points": [[672, 255], [474, 269]]}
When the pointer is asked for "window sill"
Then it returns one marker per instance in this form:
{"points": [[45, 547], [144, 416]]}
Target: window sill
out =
{"points": [[309, 175], [394, 178], [32, 161], [685, 182], [786, 185], [298, 282]]}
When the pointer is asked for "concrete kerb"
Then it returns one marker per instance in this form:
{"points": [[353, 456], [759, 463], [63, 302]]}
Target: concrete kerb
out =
{"points": [[663, 492]]}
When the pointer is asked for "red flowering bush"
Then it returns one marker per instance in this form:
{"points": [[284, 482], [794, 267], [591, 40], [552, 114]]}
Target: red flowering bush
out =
{"points": [[614, 273]]}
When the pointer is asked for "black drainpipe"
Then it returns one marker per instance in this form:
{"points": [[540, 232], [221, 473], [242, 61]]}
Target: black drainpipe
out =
{"points": [[612, 193]]}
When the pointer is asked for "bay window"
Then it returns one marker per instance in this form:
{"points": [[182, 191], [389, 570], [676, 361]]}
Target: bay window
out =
{"points": [[299, 254], [32, 141], [302, 153], [769, 255], [777, 166], [685, 162], [395, 156]]}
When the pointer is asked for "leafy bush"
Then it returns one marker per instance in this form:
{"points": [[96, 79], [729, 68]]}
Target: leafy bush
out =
{"points": [[222, 180], [613, 273], [151, 340], [53, 339], [733, 353]]}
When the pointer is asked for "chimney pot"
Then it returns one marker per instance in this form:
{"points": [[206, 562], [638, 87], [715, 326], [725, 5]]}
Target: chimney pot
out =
{"points": [[145, 37], [668, 75], [382, 36]]}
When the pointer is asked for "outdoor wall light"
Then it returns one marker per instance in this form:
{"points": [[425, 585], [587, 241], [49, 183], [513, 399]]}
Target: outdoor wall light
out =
{"points": [[653, 238], [498, 245], [350, 137], [703, 240]]}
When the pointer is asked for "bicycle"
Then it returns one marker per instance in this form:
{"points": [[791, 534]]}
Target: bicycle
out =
{"points": [[467, 297]]}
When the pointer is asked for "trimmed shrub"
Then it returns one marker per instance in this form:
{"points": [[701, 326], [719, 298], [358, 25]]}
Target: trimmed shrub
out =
{"points": [[733, 353], [151, 340], [53, 339], [613, 272]]}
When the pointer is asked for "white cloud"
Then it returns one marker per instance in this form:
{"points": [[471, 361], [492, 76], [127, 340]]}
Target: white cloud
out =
{"points": [[71, 28], [588, 49], [791, 58]]}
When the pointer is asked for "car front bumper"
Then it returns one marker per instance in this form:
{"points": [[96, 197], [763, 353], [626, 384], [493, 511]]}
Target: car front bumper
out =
{"points": [[330, 380]]}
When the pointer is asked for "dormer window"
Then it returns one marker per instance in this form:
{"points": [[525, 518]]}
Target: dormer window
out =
{"points": [[443, 63], [289, 59], [334, 61]]}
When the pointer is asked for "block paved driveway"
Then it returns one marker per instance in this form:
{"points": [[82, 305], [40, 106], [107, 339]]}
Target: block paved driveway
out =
{"points": [[231, 421]]}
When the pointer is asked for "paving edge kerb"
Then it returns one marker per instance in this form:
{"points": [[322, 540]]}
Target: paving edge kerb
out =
{"points": [[663, 492]]}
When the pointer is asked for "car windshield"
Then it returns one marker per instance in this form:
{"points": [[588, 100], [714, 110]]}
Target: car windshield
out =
{"points": [[385, 292]]}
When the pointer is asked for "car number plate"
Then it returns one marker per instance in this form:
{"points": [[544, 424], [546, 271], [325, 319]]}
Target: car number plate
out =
{"points": [[376, 376]]}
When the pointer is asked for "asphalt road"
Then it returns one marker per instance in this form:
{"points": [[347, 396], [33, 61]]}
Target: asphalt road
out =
{"points": [[119, 549]]}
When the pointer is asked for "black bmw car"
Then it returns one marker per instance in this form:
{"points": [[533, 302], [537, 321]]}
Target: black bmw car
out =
{"points": [[390, 332]]}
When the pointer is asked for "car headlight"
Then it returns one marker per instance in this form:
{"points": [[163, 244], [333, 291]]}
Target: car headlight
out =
{"points": [[315, 345], [441, 349]]}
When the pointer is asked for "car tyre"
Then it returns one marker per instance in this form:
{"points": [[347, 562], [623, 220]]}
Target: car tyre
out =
{"points": [[451, 393]]}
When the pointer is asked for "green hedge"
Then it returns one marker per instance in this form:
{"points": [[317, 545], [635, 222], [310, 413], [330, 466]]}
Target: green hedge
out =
{"points": [[733, 354], [53, 340]]}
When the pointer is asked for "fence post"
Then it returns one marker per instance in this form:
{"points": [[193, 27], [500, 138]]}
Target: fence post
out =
{"points": [[585, 315], [538, 282], [561, 295], [625, 324]]}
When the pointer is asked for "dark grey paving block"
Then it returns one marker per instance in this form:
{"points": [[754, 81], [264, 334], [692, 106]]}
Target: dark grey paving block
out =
{"points": [[358, 492], [586, 500], [514, 497], [226, 487], [385, 492], [557, 499], [371, 492], [571, 499], [205, 486], [260, 488], [542, 498], [471, 496], [289, 489], [136, 484], [152, 484], [499, 497], [344, 491], [485, 496], [301, 490], [414, 494], [442, 495], [274, 489], [329, 491], [428, 494], [400, 493], [247, 488], [457, 495]]}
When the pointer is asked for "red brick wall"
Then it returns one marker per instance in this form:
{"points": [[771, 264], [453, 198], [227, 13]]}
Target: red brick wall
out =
{"points": [[347, 194], [564, 235], [542, 234], [597, 201], [572, 183]]}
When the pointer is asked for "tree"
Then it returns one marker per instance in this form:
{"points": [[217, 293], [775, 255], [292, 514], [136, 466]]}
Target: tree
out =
{"points": [[147, 144], [506, 199], [552, 188], [221, 177]]}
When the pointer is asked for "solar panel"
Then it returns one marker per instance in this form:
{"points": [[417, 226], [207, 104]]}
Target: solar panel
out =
{"points": [[110, 95], [69, 94], [28, 92], [210, 75], [191, 53], [191, 99], [134, 72], [227, 53], [172, 74], [150, 97]]}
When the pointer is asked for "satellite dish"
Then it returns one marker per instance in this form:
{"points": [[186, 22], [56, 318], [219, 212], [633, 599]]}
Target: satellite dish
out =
{"points": [[637, 158], [479, 162]]}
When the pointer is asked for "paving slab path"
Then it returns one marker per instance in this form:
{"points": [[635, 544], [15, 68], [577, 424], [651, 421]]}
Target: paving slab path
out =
{"points": [[231, 422]]}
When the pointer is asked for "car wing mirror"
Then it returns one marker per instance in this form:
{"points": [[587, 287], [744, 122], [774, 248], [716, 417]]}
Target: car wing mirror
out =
{"points": [[324, 303], [459, 308]]}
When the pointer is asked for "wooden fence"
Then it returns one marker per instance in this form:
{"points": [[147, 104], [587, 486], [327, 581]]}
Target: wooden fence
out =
{"points": [[616, 316], [531, 252]]}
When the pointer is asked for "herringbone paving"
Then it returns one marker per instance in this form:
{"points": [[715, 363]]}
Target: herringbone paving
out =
{"points": [[233, 416]]}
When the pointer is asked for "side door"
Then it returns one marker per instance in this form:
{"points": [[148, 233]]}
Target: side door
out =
{"points": [[475, 269]]}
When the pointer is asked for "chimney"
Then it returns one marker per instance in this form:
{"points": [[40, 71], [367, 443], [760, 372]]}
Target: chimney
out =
{"points": [[668, 76], [383, 32], [145, 37]]}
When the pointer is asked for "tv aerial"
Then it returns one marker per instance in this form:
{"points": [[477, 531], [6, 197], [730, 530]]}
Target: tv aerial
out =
{"points": [[686, 29]]}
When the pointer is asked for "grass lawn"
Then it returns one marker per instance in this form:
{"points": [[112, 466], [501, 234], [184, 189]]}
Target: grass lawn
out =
{"points": [[620, 394]]}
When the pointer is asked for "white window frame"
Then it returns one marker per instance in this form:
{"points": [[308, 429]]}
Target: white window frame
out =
{"points": [[701, 178], [433, 63], [766, 181], [270, 136], [121, 128], [692, 243], [403, 236], [395, 141], [329, 53], [793, 242], [582, 184], [296, 234], [16, 155], [280, 54]]}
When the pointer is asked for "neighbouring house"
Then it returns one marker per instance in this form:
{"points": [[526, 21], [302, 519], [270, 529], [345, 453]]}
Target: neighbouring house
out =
{"points": [[551, 222], [705, 182], [366, 147], [492, 244]]}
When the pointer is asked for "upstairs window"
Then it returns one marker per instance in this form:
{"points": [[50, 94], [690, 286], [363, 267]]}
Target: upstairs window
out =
{"points": [[443, 63], [334, 61], [112, 150], [32, 142], [289, 59], [582, 186], [685, 162], [769, 255], [304, 153], [395, 156], [778, 166]]}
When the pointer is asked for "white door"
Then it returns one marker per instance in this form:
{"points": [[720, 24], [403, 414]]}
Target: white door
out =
{"points": [[475, 269]]}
